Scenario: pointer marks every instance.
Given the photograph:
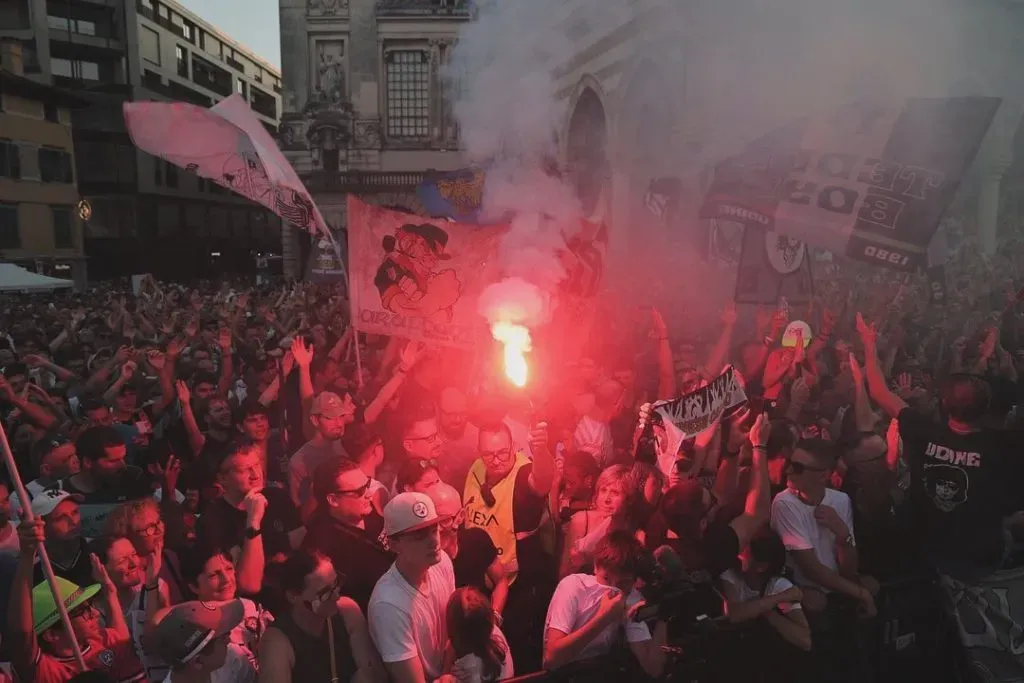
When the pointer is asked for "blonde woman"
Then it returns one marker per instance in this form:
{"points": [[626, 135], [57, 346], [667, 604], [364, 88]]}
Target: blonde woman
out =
{"points": [[610, 510]]}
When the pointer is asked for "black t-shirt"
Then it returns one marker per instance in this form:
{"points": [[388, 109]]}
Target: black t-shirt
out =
{"points": [[962, 486], [703, 562], [223, 525], [359, 555], [78, 572], [476, 553], [527, 512]]}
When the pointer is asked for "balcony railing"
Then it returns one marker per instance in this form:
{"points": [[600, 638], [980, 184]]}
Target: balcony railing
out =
{"points": [[419, 8], [235, 64], [209, 76], [262, 103], [362, 181]]}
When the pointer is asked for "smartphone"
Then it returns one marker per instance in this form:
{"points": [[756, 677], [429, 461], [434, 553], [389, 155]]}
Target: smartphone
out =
{"points": [[647, 612]]}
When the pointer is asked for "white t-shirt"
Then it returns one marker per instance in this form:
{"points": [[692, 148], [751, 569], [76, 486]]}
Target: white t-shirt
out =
{"points": [[576, 600], [794, 521], [776, 585], [406, 621], [470, 668], [236, 669], [245, 638]]}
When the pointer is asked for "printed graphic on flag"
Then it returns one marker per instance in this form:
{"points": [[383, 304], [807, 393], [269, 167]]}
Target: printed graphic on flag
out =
{"points": [[418, 278], [773, 266], [869, 181]]}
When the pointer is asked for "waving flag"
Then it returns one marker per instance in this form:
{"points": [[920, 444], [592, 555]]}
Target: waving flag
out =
{"points": [[869, 181], [228, 145], [454, 194]]}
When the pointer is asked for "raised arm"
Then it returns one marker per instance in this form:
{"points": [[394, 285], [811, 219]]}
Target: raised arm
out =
{"points": [[877, 386]]}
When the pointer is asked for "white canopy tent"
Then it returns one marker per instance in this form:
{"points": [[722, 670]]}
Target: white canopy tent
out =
{"points": [[16, 279]]}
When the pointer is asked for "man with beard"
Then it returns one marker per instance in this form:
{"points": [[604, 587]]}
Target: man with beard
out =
{"points": [[346, 529], [54, 457], [459, 449], [105, 480], [233, 521], [64, 543], [329, 415]]}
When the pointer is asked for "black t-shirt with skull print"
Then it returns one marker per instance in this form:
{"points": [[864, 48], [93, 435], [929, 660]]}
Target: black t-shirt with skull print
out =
{"points": [[962, 487]]}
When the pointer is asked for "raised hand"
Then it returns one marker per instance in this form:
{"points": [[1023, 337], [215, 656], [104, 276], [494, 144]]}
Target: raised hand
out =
{"points": [[410, 354], [303, 354], [904, 385], [760, 432], [868, 333], [255, 505], [729, 314], [184, 393], [224, 340], [539, 437], [100, 575]]}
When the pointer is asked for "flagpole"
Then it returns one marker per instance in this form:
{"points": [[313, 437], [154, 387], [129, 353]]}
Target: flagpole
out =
{"points": [[44, 559]]}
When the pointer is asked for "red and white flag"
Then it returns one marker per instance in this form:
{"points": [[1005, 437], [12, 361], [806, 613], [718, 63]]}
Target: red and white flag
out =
{"points": [[419, 278], [228, 145]]}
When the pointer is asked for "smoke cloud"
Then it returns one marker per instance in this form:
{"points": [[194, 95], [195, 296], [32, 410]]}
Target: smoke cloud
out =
{"points": [[687, 84]]}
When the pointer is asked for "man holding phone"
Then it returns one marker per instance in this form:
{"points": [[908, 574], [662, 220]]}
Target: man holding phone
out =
{"points": [[588, 614]]}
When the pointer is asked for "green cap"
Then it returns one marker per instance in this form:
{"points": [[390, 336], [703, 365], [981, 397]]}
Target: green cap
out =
{"points": [[44, 607]]}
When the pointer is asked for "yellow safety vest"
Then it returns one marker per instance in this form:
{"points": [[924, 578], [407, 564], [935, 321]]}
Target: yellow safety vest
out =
{"points": [[497, 519]]}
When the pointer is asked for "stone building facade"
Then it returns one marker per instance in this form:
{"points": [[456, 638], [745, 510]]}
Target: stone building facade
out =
{"points": [[363, 107]]}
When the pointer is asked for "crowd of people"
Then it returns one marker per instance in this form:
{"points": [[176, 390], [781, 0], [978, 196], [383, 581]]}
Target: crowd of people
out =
{"points": [[225, 494]]}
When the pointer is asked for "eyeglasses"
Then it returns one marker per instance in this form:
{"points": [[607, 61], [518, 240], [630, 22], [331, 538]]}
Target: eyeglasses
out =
{"points": [[325, 593], [454, 521], [150, 529], [357, 492], [799, 467], [429, 438], [84, 610]]}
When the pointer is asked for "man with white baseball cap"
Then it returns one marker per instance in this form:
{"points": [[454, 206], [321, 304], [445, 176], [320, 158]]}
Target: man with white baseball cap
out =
{"points": [[65, 545], [407, 608]]}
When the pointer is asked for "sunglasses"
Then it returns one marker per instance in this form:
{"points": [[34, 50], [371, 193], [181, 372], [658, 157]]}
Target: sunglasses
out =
{"points": [[325, 594], [357, 492]]}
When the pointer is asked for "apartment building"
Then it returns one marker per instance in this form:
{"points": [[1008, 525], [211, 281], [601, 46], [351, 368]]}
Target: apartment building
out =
{"points": [[40, 207], [147, 215]]}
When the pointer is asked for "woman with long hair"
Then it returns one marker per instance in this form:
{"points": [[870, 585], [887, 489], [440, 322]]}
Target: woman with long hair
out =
{"points": [[478, 651], [612, 504]]}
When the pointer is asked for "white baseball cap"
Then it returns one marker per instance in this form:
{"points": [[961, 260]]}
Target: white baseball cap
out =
{"points": [[409, 512], [45, 502]]}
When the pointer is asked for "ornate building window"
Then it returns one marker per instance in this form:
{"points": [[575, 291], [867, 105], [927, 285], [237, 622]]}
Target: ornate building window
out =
{"points": [[408, 93]]}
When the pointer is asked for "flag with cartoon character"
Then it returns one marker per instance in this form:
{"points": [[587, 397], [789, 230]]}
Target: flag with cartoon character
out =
{"points": [[417, 278]]}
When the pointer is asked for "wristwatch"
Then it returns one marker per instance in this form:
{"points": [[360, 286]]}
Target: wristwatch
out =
{"points": [[251, 533]]}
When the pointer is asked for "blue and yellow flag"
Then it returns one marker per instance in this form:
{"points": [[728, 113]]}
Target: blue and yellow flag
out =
{"points": [[453, 194]]}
